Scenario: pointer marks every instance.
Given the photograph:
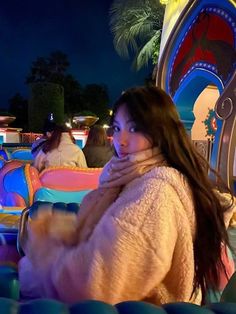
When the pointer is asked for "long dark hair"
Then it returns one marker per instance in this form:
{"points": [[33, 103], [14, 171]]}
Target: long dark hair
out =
{"points": [[55, 139], [97, 136], [155, 115]]}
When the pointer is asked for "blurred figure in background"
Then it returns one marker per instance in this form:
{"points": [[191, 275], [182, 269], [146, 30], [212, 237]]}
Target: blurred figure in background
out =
{"points": [[37, 145], [97, 150], [60, 150]]}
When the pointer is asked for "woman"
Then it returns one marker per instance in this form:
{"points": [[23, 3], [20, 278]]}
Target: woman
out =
{"points": [[37, 145], [152, 231], [60, 150], [97, 150]]}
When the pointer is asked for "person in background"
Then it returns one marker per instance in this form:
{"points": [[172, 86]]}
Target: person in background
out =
{"points": [[98, 150], [60, 150], [37, 145], [152, 231]]}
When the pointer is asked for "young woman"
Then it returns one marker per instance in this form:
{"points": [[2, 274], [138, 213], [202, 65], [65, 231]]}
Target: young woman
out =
{"points": [[97, 150], [37, 145], [60, 150], [152, 231]]}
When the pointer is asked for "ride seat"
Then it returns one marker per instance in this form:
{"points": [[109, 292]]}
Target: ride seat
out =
{"points": [[66, 184], [18, 184]]}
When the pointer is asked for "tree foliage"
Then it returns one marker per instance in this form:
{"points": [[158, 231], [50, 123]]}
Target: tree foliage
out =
{"points": [[49, 69], [96, 99], [45, 98], [54, 69], [136, 26], [18, 106]]}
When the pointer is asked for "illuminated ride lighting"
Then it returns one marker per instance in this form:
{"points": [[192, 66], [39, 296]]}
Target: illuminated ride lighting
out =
{"points": [[165, 2]]}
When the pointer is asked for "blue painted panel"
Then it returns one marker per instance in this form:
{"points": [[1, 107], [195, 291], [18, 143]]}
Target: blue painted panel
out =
{"points": [[50, 195], [15, 181], [191, 87], [80, 143], [225, 5], [22, 154]]}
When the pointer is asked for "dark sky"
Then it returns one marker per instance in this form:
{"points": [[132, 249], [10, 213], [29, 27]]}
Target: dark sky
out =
{"points": [[29, 29]]}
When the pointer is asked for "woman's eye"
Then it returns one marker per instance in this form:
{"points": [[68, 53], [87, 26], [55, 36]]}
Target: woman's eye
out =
{"points": [[133, 129], [115, 128]]}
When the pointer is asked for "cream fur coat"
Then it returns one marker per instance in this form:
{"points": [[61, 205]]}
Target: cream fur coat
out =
{"points": [[141, 249], [67, 154]]}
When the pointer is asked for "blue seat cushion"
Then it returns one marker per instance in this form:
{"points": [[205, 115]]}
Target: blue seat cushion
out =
{"points": [[51, 195]]}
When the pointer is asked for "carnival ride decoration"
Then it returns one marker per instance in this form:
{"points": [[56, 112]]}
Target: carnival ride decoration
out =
{"points": [[198, 49], [210, 124]]}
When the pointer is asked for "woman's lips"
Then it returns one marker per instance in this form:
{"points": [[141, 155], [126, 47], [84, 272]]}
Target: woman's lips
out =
{"points": [[122, 154]]}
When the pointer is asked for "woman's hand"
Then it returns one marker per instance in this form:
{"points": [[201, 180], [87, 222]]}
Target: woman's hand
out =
{"points": [[50, 229]]}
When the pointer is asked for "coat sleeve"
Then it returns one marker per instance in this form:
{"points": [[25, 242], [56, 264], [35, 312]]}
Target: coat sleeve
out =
{"points": [[81, 161], [120, 261]]}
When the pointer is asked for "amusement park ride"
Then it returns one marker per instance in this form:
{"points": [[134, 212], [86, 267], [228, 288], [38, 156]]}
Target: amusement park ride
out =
{"points": [[197, 50], [8, 134], [15, 136]]}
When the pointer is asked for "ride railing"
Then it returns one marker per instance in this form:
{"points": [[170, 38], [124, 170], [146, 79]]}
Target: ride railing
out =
{"points": [[204, 147], [29, 137]]}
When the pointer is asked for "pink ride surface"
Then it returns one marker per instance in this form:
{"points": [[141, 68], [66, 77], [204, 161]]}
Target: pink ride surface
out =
{"points": [[70, 178]]}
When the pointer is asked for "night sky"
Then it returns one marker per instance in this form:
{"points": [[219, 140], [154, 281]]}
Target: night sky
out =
{"points": [[31, 29]]}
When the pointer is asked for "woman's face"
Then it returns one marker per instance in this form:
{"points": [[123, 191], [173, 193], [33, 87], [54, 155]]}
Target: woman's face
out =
{"points": [[126, 138]]}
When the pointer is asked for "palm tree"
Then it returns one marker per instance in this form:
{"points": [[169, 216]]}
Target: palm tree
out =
{"points": [[136, 25]]}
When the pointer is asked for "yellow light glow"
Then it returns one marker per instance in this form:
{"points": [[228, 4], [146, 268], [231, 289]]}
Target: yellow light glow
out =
{"points": [[165, 2], [68, 124]]}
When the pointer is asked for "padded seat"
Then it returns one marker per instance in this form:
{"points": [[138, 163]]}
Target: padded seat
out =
{"points": [[18, 184], [222, 308], [70, 178], [2, 162], [44, 194], [69, 207], [49, 306], [185, 308], [93, 307], [43, 306], [139, 307], [9, 283], [23, 154], [4, 154], [8, 306], [66, 184]]}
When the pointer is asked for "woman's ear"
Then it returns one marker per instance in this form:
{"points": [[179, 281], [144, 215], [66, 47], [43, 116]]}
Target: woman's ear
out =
{"points": [[48, 134]]}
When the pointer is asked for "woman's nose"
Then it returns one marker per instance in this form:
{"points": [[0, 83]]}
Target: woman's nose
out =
{"points": [[123, 140]]}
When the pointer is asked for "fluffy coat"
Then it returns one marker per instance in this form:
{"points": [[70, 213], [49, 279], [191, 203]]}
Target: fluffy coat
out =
{"points": [[67, 154], [141, 249]]}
